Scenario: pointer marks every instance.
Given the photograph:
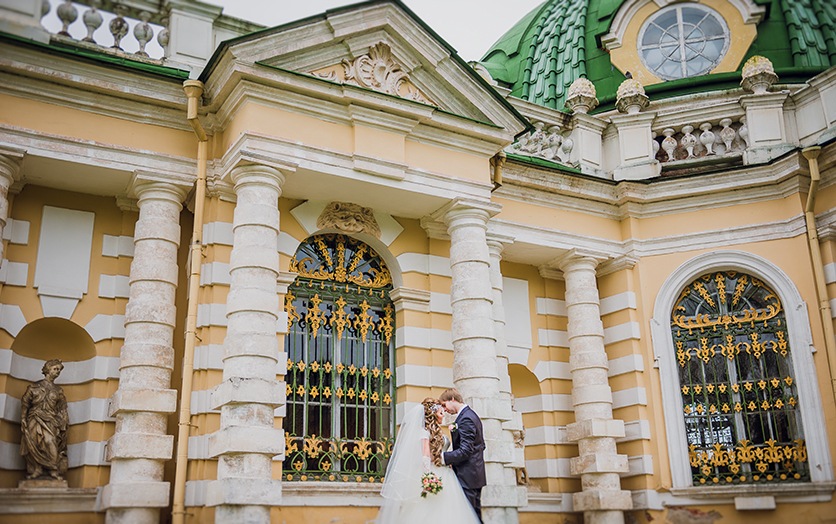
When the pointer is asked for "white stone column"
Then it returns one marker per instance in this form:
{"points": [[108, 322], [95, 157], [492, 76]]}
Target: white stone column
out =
{"points": [[247, 440], [140, 446], [594, 429], [474, 352], [496, 244]]}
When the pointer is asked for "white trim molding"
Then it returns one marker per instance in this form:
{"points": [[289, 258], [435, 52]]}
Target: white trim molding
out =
{"points": [[801, 342]]}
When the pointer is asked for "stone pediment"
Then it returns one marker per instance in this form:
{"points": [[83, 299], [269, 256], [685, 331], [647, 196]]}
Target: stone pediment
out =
{"points": [[376, 70], [381, 46]]}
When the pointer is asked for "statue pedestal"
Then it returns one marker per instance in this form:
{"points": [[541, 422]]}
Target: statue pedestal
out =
{"points": [[42, 483]]}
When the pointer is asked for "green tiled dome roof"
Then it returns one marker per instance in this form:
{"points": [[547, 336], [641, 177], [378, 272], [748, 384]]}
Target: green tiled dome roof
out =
{"points": [[559, 41]]}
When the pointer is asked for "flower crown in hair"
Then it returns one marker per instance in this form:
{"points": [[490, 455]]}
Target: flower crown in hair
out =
{"points": [[435, 407]]}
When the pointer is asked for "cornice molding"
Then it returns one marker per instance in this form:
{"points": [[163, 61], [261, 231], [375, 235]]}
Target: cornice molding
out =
{"points": [[659, 197], [83, 99], [626, 253], [59, 71], [342, 164], [88, 152]]}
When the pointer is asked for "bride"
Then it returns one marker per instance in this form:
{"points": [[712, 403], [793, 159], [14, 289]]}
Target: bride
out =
{"points": [[418, 451]]}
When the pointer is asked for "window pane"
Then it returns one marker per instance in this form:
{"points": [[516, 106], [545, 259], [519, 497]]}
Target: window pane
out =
{"points": [[692, 38]]}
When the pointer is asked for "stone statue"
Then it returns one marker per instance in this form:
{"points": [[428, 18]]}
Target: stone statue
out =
{"points": [[44, 422]]}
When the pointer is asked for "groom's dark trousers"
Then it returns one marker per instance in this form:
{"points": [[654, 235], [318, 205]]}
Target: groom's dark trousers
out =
{"points": [[467, 457]]}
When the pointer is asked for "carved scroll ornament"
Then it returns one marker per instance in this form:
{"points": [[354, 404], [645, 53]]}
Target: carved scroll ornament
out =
{"points": [[378, 71]]}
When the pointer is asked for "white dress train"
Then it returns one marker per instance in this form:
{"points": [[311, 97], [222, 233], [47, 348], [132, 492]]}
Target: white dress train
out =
{"points": [[401, 491]]}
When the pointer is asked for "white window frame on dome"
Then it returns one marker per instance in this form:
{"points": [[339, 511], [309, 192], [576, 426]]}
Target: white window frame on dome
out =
{"points": [[751, 13], [801, 342], [683, 40]]}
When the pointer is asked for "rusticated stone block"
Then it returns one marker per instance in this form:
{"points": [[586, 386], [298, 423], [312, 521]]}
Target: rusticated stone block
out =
{"points": [[244, 492], [152, 355], [602, 501], [499, 451], [591, 394], [500, 496], [152, 400], [491, 408], [135, 495], [140, 445], [515, 424], [245, 439], [598, 463], [248, 390], [595, 428]]}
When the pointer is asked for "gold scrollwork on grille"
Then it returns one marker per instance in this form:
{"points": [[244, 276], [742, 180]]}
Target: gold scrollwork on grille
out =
{"points": [[338, 258]]}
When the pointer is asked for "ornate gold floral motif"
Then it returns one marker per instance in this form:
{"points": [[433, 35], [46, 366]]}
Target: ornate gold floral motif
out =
{"points": [[385, 327], [339, 319], [363, 267], [292, 315], [362, 323], [314, 315]]}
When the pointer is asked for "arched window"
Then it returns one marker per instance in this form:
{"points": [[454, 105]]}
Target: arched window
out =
{"points": [[340, 370], [739, 394]]}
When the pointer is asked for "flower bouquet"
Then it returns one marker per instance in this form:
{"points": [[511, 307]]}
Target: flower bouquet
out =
{"points": [[431, 484]]}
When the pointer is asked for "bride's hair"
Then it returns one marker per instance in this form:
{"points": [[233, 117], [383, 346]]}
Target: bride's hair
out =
{"points": [[431, 406]]}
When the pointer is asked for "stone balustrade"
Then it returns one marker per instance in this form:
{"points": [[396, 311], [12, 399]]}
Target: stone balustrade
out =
{"points": [[119, 27], [548, 141], [696, 140], [139, 30]]}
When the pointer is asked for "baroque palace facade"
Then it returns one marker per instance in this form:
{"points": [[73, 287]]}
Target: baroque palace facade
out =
{"points": [[616, 235]]}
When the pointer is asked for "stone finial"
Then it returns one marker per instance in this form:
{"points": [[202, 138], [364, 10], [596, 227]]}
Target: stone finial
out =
{"points": [[630, 97], [758, 75], [581, 97]]}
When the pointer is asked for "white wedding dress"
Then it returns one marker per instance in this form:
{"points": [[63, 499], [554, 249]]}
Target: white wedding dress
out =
{"points": [[401, 491]]}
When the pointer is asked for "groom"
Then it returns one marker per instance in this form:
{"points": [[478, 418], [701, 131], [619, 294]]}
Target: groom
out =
{"points": [[468, 448]]}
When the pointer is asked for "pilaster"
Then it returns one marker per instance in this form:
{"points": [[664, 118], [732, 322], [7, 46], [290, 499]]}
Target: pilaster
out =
{"points": [[594, 429], [23, 18], [247, 440], [636, 160], [765, 121], [140, 446], [588, 152]]}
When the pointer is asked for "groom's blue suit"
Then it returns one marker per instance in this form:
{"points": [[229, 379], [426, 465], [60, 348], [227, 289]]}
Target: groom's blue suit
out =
{"points": [[467, 457]]}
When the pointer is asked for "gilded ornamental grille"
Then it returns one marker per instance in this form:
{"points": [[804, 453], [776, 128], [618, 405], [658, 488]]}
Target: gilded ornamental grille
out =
{"points": [[340, 367], [738, 389]]}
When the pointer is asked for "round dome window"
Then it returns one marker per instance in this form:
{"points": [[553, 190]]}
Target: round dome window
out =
{"points": [[683, 40]]}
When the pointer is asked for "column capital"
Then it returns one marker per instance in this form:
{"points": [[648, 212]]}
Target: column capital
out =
{"points": [[257, 174], [10, 161], [577, 258], [456, 213], [497, 243], [462, 211], [146, 186], [243, 157]]}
